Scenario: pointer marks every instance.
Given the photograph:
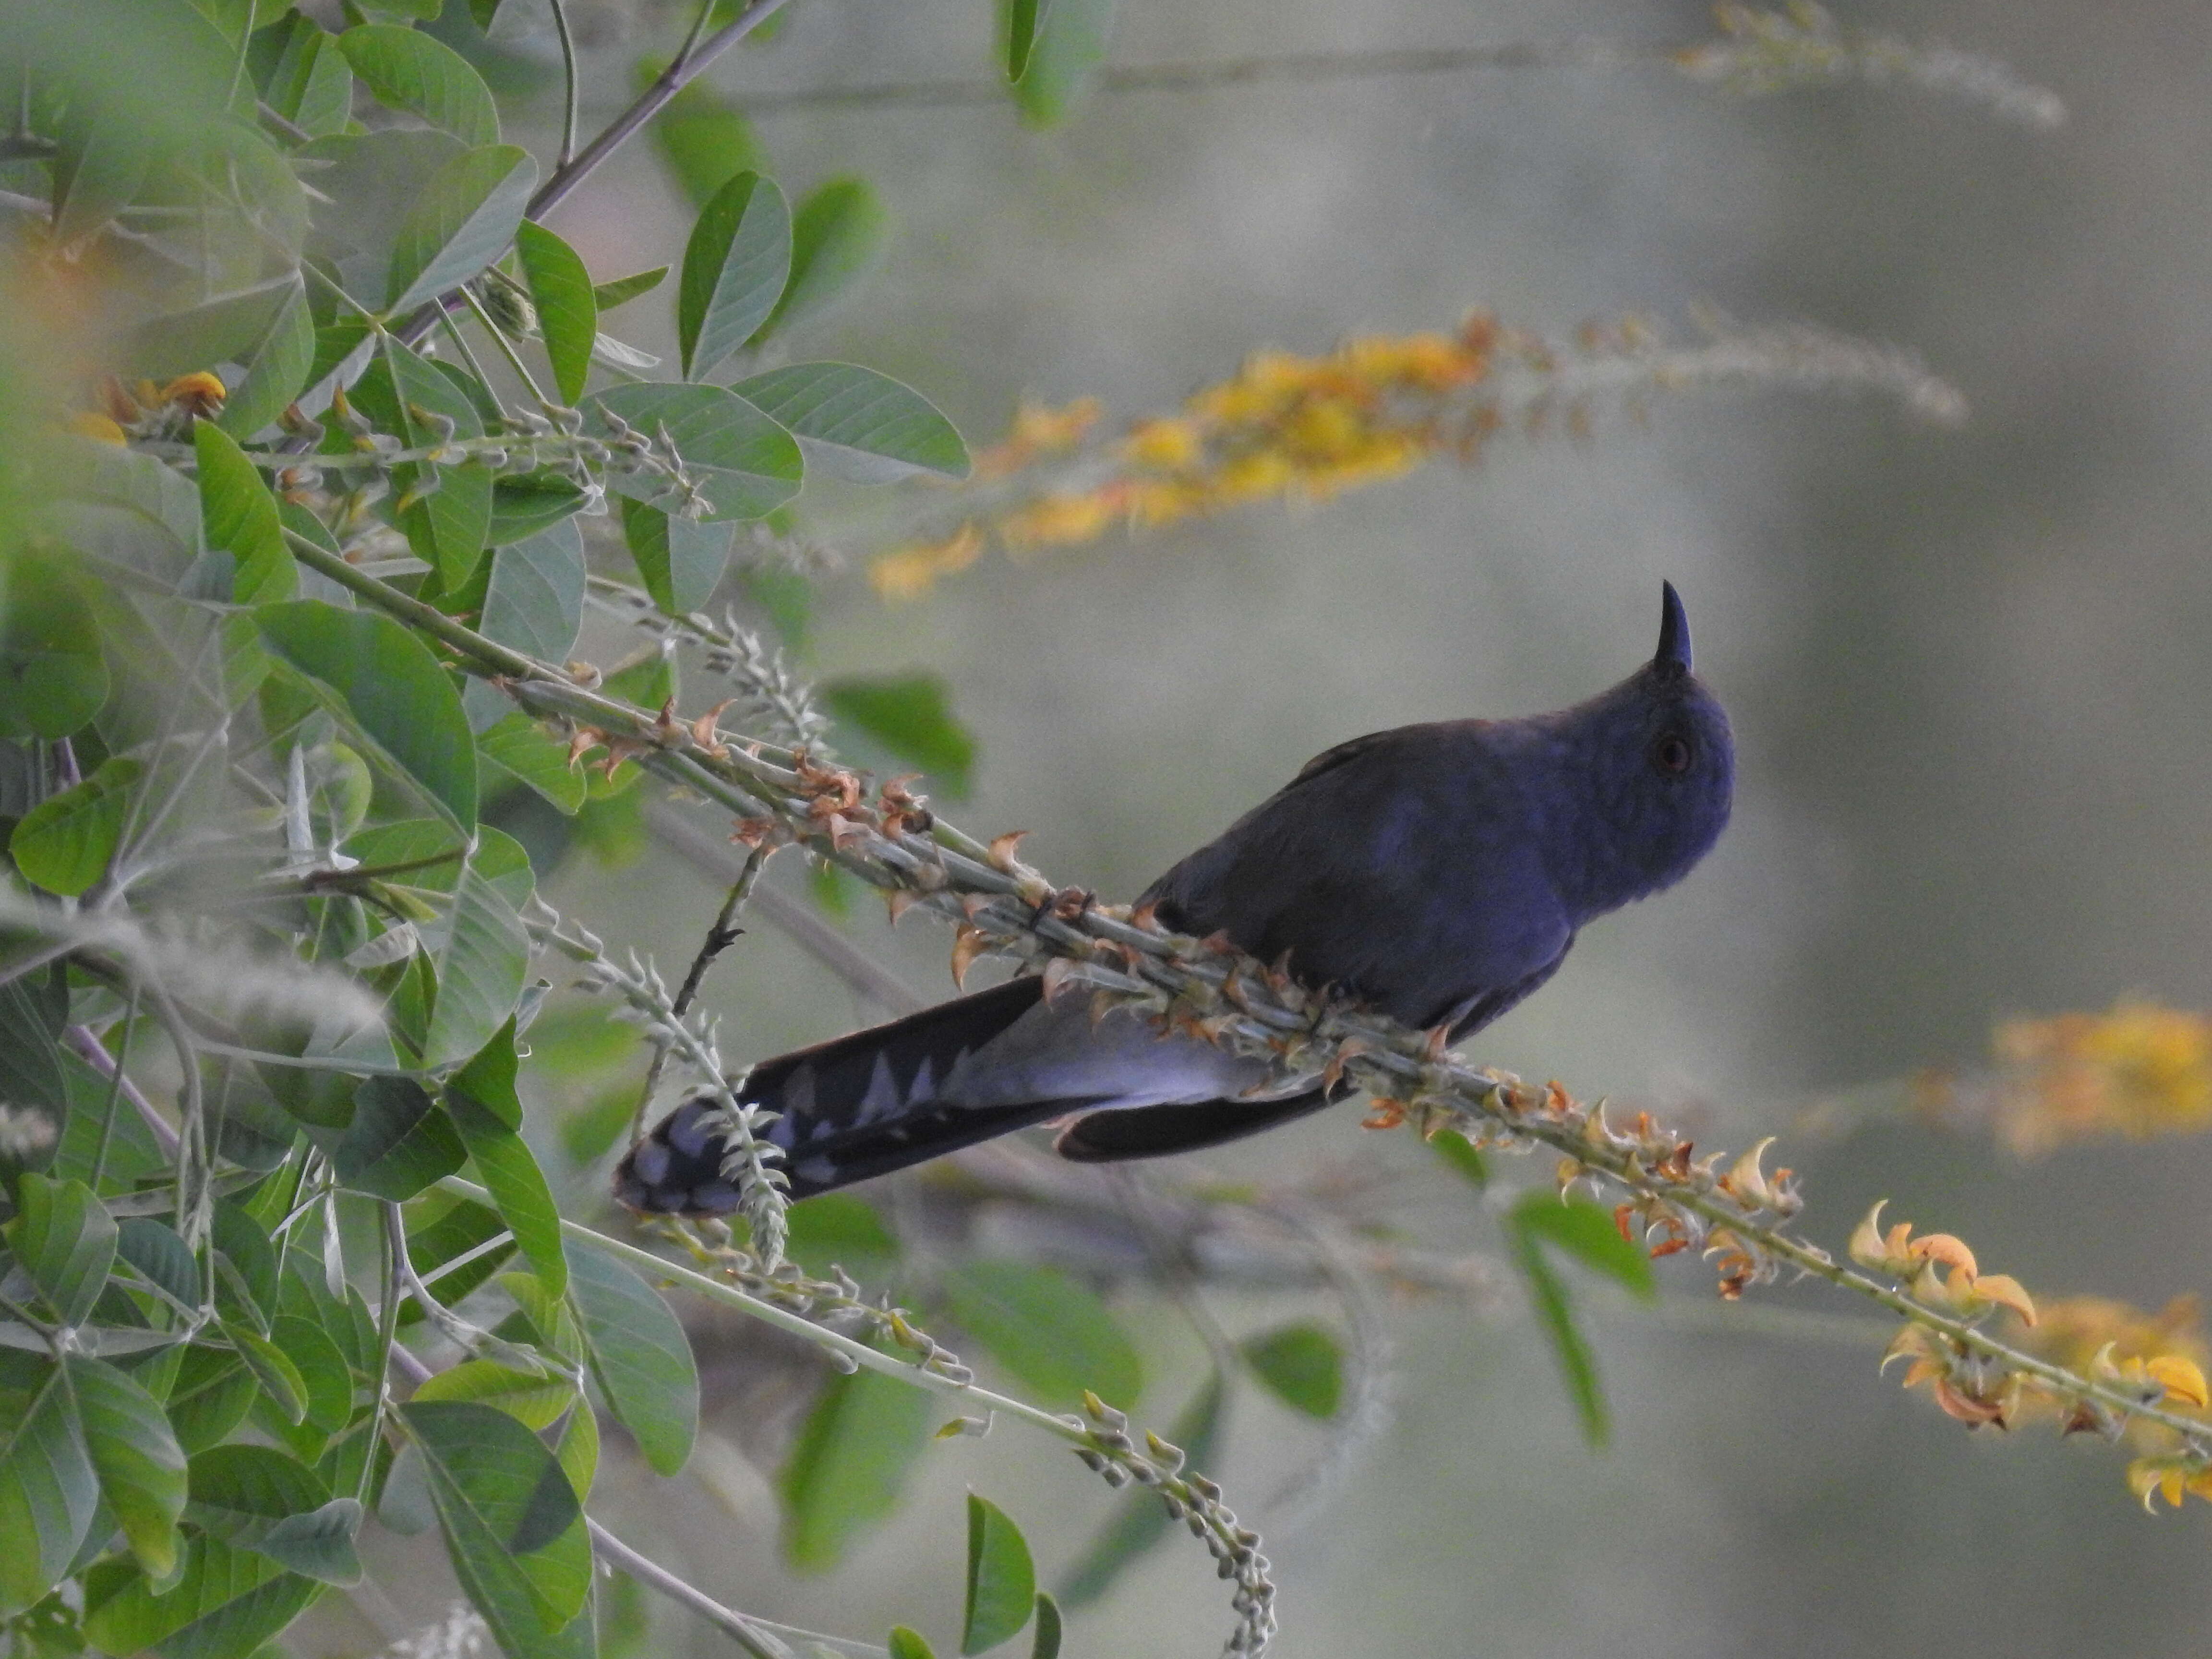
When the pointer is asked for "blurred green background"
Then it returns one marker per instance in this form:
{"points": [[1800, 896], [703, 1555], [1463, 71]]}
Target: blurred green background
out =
{"points": [[1970, 673]]}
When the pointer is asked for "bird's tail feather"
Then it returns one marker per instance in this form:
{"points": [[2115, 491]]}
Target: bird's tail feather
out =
{"points": [[860, 1105]]}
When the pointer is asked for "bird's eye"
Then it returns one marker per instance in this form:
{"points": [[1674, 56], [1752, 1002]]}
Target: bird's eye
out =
{"points": [[1671, 753]]}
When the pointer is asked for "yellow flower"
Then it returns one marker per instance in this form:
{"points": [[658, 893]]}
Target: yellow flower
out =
{"points": [[199, 392], [1168, 446], [1038, 429], [86, 424], [1253, 476], [907, 573], [2139, 1071], [1059, 520]]}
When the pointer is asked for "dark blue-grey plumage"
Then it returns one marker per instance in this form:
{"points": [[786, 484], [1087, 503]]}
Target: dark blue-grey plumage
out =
{"points": [[1438, 874]]}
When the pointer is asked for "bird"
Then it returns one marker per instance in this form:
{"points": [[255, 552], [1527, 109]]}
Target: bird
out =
{"points": [[1436, 873]]}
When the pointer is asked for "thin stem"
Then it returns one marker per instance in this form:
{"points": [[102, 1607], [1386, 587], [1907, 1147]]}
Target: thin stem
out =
{"points": [[1301, 67], [721, 934], [114, 1090], [868, 980], [747, 1635], [452, 328], [659, 1266], [569, 76], [88, 1047]]}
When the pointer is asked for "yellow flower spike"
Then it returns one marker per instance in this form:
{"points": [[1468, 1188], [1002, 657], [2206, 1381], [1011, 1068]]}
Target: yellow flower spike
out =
{"points": [[86, 424], [2182, 1380], [908, 573], [1249, 477]]}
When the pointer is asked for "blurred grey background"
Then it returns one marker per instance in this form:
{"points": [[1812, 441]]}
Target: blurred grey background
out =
{"points": [[1970, 673]]}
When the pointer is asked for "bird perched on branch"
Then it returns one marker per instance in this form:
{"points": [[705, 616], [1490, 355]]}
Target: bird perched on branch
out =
{"points": [[1436, 873]]}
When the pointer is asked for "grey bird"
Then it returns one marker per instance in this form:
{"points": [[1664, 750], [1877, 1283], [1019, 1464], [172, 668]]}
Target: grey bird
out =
{"points": [[1436, 873]]}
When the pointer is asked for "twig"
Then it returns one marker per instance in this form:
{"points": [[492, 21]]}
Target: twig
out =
{"points": [[721, 934], [569, 75], [860, 971], [748, 1635], [88, 1048], [649, 103]]}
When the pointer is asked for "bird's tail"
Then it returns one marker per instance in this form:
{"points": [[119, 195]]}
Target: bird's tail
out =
{"points": [[859, 1106], [964, 1072]]}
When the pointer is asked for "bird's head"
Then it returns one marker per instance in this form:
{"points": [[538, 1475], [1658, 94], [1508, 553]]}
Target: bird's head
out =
{"points": [[1654, 765]]}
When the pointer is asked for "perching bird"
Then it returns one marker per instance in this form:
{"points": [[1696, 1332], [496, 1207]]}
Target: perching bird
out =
{"points": [[1436, 873]]}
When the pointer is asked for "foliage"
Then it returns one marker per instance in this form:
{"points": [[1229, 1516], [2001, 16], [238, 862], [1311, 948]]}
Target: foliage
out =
{"points": [[316, 455]]}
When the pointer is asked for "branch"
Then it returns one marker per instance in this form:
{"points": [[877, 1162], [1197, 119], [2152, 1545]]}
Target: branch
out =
{"points": [[721, 934], [1205, 990]]}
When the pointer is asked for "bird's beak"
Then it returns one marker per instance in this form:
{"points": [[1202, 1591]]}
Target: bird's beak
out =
{"points": [[1673, 657]]}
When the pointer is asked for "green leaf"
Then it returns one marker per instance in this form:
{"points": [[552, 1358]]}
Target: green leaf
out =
{"points": [[536, 1403], [702, 139], [623, 290], [100, 160], [734, 268], [527, 504], [481, 966], [1065, 42], [518, 747], [322, 1368], [1456, 1150], [52, 679], [838, 1229], [911, 715], [854, 423], [277, 368], [312, 85], [392, 691], [447, 515], [49, 1489], [464, 220], [1547, 1296], [65, 843], [848, 1466], [482, 1098], [408, 70], [1002, 1581], [65, 1241], [141, 1466], [228, 1601], [638, 1354], [512, 1525], [535, 602], [1142, 1521], [567, 304], [398, 1142], [904, 1643], [837, 233], [261, 1499], [1301, 1364], [221, 329], [1047, 1644], [239, 516], [273, 1369], [680, 561], [1052, 1332], [1588, 1232], [747, 464]]}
